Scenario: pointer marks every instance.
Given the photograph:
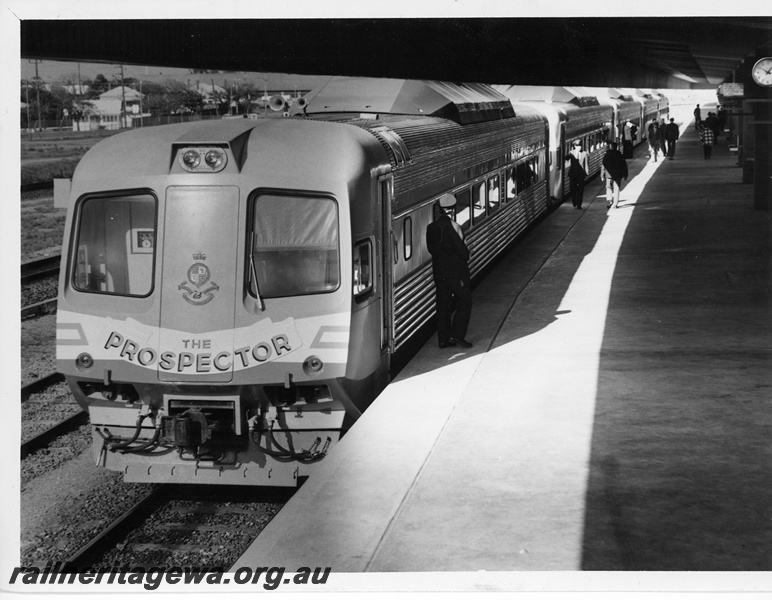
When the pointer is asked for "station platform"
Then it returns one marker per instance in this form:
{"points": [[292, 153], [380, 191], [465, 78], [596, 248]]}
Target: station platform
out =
{"points": [[614, 413]]}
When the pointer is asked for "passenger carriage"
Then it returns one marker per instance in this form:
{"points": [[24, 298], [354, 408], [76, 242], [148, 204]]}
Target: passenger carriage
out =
{"points": [[572, 116], [232, 292]]}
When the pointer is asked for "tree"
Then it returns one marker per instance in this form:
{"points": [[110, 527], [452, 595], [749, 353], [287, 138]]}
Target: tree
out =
{"points": [[81, 110], [98, 86], [181, 98], [154, 98], [61, 103], [245, 93], [50, 104]]}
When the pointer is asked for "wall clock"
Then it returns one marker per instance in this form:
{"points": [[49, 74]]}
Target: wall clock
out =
{"points": [[762, 72]]}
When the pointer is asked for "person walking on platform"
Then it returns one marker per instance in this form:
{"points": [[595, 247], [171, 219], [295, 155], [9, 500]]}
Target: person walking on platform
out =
{"points": [[711, 122], [661, 136], [672, 134], [450, 257], [708, 138], [697, 117], [653, 136], [577, 173], [613, 170], [627, 140]]}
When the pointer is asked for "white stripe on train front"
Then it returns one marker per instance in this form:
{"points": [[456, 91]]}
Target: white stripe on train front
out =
{"points": [[202, 353]]}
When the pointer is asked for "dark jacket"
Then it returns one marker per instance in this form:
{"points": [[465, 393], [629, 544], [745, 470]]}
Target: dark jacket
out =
{"points": [[449, 253], [653, 134], [615, 165], [671, 132]]}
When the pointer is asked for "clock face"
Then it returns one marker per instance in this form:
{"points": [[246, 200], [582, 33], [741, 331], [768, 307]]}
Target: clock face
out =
{"points": [[762, 72]]}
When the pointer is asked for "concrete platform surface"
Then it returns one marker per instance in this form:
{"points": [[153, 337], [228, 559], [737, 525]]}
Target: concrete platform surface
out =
{"points": [[614, 414]]}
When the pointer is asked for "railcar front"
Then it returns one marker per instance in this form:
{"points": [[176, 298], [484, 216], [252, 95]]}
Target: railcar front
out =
{"points": [[663, 105], [209, 292], [631, 110], [650, 112]]}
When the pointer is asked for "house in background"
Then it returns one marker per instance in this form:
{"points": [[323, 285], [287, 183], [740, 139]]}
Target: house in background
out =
{"points": [[106, 110], [213, 94]]}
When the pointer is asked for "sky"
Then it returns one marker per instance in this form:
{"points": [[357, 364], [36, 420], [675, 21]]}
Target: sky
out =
{"points": [[51, 71]]}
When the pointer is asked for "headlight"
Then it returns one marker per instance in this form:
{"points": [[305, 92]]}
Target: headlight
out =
{"points": [[215, 158], [203, 159], [191, 159]]}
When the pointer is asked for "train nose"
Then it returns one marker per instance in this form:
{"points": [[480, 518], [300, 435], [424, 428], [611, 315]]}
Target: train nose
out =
{"points": [[199, 283]]}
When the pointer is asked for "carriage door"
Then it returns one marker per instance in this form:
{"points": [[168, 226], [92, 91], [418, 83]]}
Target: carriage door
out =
{"points": [[199, 281], [386, 282]]}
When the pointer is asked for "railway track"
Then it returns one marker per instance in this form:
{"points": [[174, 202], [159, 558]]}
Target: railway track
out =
{"points": [[174, 525], [47, 417], [59, 428], [40, 384], [40, 268], [40, 185], [37, 309], [39, 281], [91, 552]]}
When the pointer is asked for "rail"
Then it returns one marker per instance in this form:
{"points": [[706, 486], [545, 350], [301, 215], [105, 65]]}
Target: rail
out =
{"points": [[43, 439], [40, 268], [45, 307], [89, 554], [40, 384], [38, 185], [65, 425]]}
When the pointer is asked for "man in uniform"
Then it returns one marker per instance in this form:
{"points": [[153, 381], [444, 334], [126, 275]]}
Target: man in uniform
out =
{"points": [[450, 257]]}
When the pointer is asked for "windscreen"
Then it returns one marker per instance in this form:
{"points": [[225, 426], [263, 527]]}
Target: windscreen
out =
{"points": [[115, 247], [295, 249]]}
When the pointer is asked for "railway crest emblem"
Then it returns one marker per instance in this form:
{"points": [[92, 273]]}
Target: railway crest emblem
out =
{"points": [[198, 277]]}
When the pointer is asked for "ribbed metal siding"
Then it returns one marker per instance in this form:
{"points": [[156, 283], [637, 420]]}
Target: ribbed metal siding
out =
{"points": [[414, 297], [449, 149], [587, 120], [441, 148], [629, 110], [438, 149]]}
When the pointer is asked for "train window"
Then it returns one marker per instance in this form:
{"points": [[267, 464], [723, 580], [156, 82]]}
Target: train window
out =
{"points": [[115, 249], [463, 210], [510, 185], [493, 194], [520, 177], [295, 246], [526, 174], [479, 194], [363, 268], [407, 237]]}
